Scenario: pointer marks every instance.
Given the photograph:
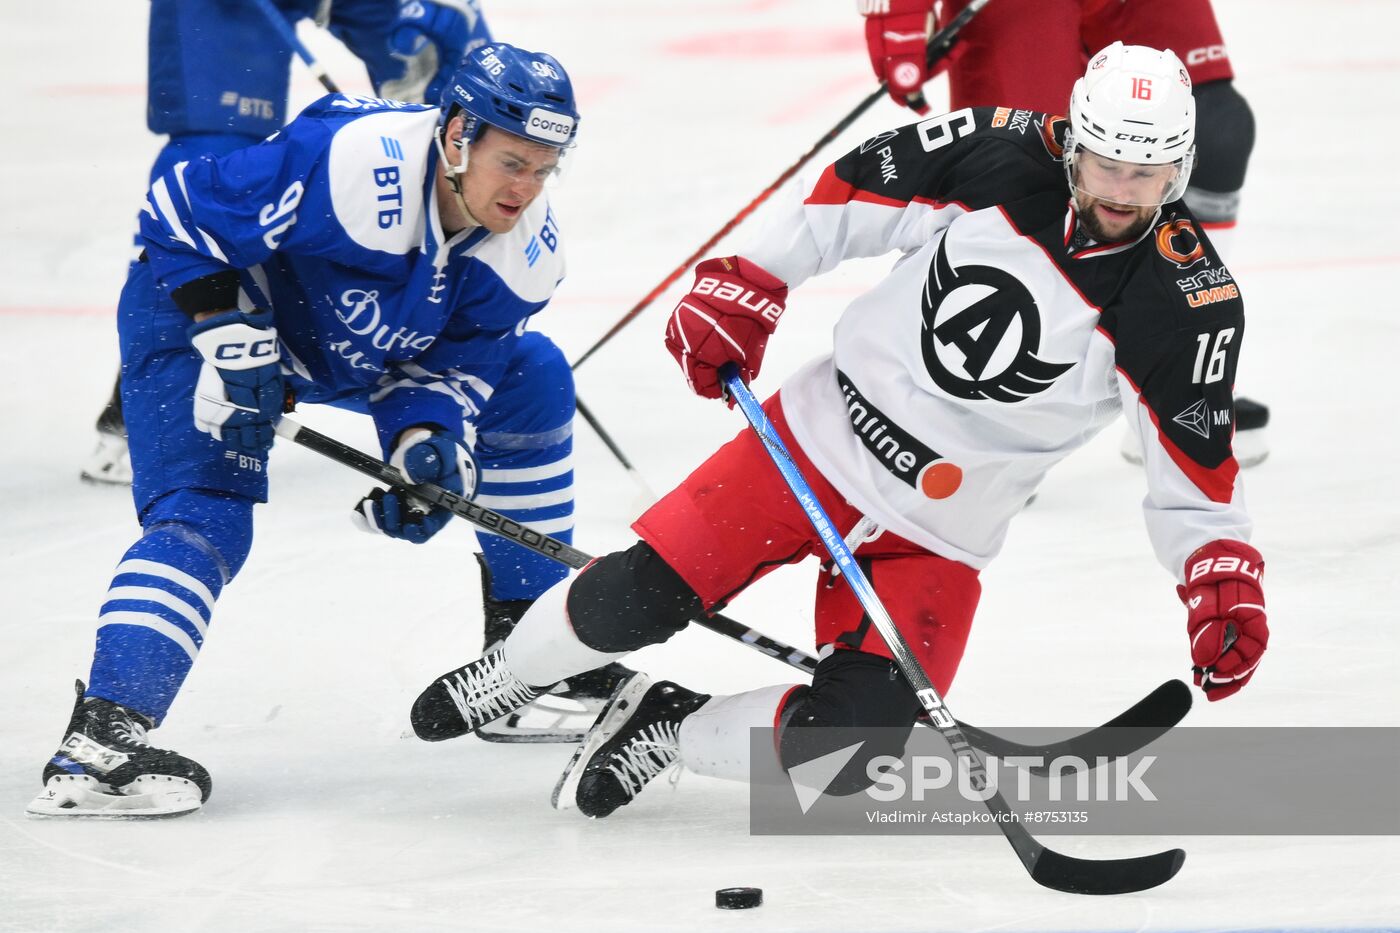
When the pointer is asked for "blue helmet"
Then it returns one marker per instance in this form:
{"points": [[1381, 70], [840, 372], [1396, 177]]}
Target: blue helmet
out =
{"points": [[524, 93]]}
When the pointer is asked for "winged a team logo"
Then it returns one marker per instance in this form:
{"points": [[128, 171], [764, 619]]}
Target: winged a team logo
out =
{"points": [[981, 333]]}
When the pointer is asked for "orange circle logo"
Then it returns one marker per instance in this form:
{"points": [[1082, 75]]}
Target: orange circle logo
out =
{"points": [[940, 480]]}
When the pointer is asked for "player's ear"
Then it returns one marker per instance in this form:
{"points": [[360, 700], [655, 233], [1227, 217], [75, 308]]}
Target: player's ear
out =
{"points": [[454, 131]]}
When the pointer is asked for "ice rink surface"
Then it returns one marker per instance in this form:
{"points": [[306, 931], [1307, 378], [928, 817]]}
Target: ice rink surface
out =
{"points": [[324, 818]]}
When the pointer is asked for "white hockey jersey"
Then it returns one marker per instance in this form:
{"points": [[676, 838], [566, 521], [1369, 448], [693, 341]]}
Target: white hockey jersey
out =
{"points": [[1004, 339]]}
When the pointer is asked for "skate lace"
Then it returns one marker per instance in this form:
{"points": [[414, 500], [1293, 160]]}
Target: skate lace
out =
{"points": [[653, 750], [487, 691], [126, 728]]}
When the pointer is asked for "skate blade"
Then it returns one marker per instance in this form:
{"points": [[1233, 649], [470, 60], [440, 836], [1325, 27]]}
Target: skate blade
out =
{"points": [[1251, 448], [110, 463], [146, 798], [549, 719], [617, 711]]}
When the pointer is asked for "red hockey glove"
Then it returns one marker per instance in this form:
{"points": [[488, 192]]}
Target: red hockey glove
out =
{"points": [[726, 318], [1225, 615], [896, 35]]}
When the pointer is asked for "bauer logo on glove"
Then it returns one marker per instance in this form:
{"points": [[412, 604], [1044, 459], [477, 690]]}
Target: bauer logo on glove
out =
{"points": [[726, 317], [1225, 621]]}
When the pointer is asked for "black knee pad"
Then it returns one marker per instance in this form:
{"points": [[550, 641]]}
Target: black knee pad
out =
{"points": [[851, 689], [1224, 140], [630, 599]]}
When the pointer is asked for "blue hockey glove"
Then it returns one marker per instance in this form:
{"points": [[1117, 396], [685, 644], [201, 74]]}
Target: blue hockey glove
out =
{"points": [[430, 38], [422, 456], [239, 395]]}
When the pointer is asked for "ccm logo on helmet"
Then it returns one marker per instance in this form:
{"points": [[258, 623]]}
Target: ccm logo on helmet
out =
{"points": [[554, 127], [1133, 138], [745, 298]]}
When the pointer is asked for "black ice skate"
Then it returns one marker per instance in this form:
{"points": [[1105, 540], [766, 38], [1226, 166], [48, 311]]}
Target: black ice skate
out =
{"points": [[635, 738], [110, 463], [105, 769], [1251, 444], [564, 713], [463, 700]]}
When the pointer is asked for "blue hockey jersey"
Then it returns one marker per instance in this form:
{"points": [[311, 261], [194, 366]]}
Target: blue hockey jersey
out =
{"points": [[333, 224]]}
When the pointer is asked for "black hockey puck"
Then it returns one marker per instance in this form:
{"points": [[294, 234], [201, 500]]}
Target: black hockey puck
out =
{"points": [[738, 898]]}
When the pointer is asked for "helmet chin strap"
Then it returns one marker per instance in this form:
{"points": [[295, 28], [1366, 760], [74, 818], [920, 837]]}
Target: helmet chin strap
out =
{"points": [[454, 174]]}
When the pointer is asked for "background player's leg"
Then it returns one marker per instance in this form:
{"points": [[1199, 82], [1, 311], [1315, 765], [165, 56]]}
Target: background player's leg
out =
{"points": [[1016, 55], [217, 80]]}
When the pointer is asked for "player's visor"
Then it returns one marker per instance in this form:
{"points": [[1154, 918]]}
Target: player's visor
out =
{"points": [[1128, 183]]}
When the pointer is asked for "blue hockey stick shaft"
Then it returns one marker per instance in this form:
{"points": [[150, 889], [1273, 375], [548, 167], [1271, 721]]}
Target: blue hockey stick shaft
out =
{"points": [[836, 546], [1046, 866]]}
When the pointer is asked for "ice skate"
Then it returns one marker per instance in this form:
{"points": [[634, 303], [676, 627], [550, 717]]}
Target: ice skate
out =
{"points": [[110, 463], [566, 712], [1251, 442], [463, 700], [105, 769], [635, 739]]}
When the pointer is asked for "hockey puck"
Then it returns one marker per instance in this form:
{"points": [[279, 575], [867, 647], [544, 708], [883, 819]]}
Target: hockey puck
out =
{"points": [[738, 898]]}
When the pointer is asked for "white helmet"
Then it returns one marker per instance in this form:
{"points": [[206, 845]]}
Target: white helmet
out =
{"points": [[1134, 104]]}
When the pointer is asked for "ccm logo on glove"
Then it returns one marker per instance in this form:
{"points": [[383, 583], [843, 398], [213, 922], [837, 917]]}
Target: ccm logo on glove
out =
{"points": [[261, 351]]}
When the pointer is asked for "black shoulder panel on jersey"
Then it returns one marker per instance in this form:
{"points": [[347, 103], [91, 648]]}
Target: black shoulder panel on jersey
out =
{"points": [[1176, 318], [1178, 322], [977, 156]]}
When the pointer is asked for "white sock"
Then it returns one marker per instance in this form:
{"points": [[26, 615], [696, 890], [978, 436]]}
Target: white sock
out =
{"points": [[543, 649], [714, 739]]}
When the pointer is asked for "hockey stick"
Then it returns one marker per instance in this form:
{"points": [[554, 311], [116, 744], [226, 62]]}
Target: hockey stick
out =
{"points": [[288, 32], [523, 535], [1046, 866], [616, 451], [1152, 715], [938, 47]]}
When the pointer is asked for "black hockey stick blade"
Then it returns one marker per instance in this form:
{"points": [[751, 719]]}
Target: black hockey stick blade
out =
{"points": [[1141, 724], [1104, 876], [1061, 872]]}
